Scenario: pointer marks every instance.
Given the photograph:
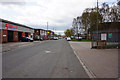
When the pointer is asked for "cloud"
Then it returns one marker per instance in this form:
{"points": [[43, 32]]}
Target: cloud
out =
{"points": [[36, 13], [12, 2]]}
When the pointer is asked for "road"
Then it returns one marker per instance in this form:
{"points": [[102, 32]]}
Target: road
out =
{"points": [[50, 59]]}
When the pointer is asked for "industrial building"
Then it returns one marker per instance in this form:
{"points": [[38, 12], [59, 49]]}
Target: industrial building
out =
{"points": [[45, 34], [12, 32], [41, 33]]}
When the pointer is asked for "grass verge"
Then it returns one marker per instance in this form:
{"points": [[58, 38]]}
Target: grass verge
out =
{"points": [[84, 40]]}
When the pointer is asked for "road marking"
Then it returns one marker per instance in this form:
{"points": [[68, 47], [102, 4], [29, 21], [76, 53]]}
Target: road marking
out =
{"points": [[87, 70], [47, 51]]}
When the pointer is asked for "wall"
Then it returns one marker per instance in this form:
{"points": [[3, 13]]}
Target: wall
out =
{"points": [[23, 34], [4, 36], [15, 36]]}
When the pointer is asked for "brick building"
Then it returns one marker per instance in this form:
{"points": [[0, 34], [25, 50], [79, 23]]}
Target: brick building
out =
{"points": [[11, 32], [43, 33], [40, 32]]}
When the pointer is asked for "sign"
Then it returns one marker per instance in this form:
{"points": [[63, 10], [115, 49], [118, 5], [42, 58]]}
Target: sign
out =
{"points": [[110, 35], [48, 32], [4, 35], [11, 27], [104, 36]]}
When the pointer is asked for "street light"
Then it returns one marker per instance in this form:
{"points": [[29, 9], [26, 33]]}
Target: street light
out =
{"points": [[47, 30], [97, 19]]}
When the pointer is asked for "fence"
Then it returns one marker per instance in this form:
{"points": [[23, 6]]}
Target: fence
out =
{"points": [[112, 39]]}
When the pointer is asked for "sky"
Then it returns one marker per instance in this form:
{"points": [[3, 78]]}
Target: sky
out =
{"points": [[36, 13]]}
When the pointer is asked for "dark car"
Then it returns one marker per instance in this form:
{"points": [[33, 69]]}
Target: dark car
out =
{"points": [[26, 39], [38, 38], [41, 39], [30, 39]]}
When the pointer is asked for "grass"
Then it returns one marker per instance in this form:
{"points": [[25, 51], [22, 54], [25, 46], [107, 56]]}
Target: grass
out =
{"points": [[75, 40], [85, 40], [112, 46]]}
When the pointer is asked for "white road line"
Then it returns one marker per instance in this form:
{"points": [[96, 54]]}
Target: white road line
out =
{"points": [[87, 70]]}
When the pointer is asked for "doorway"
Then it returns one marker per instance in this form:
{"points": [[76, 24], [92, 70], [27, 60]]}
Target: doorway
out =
{"points": [[10, 36]]}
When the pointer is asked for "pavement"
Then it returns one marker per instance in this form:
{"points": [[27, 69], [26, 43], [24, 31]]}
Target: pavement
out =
{"points": [[50, 59], [101, 63]]}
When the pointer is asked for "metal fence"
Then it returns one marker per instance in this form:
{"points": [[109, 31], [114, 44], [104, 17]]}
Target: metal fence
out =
{"points": [[112, 38]]}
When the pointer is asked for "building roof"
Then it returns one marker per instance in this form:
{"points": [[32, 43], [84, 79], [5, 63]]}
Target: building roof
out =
{"points": [[10, 22], [108, 25], [38, 29]]}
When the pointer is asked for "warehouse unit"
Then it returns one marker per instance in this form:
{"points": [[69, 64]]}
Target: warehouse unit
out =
{"points": [[43, 33], [12, 32]]}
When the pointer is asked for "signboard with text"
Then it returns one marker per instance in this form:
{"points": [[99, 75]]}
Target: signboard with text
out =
{"points": [[103, 36], [110, 35], [11, 27]]}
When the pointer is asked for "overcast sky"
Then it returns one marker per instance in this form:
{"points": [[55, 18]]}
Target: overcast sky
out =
{"points": [[36, 13]]}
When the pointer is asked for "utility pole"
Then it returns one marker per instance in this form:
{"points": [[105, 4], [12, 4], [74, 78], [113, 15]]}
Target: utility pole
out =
{"points": [[47, 30], [53, 29], [97, 20]]}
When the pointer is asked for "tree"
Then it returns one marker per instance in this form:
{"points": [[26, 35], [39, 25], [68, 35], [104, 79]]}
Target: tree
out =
{"points": [[69, 32], [85, 20], [77, 26], [89, 18], [110, 14], [105, 12]]}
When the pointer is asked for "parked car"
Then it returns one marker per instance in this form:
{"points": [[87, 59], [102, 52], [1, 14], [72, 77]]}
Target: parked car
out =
{"points": [[38, 38], [55, 38], [41, 39], [26, 39], [72, 37], [68, 39], [80, 38], [30, 39]]}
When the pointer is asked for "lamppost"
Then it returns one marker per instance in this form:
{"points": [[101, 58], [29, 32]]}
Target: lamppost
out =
{"points": [[97, 20], [47, 30]]}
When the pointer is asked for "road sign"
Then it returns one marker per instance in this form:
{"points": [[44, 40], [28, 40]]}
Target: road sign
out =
{"points": [[110, 35]]}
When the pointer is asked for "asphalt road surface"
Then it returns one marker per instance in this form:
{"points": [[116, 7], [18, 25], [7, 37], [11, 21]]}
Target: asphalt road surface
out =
{"points": [[50, 59]]}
